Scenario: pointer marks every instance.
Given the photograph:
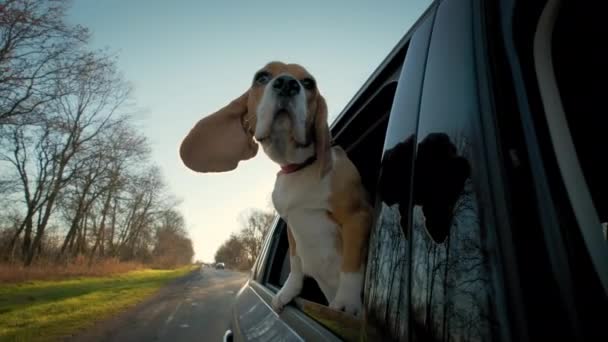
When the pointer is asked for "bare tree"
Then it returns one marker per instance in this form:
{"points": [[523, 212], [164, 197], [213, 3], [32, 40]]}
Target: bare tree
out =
{"points": [[241, 250], [27, 160], [71, 162], [91, 95], [97, 185], [172, 246], [33, 37], [124, 149], [144, 197], [255, 226], [79, 197]]}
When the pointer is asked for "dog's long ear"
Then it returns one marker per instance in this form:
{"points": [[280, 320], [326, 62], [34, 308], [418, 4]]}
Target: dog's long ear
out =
{"points": [[322, 137], [218, 142]]}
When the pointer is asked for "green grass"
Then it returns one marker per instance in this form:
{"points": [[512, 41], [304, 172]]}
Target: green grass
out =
{"points": [[49, 310]]}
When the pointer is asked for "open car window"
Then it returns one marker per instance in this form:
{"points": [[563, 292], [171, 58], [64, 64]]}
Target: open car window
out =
{"points": [[364, 149], [311, 300], [361, 130], [278, 268]]}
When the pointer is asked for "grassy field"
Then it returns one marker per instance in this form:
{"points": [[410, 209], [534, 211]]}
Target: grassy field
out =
{"points": [[49, 310]]}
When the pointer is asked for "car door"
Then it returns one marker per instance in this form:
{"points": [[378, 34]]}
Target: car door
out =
{"points": [[254, 319]]}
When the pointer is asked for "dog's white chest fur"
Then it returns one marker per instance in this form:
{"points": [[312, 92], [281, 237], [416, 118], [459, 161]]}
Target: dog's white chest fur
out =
{"points": [[301, 198]]}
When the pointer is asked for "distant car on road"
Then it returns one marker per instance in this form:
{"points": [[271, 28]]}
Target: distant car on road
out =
{"points": [[220, 266]]}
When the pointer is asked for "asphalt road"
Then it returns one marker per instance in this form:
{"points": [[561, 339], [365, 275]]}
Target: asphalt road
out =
{"points": [[194, 308]]}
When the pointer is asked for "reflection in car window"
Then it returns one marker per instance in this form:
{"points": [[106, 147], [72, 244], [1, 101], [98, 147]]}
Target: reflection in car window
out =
{"points": [[387, 277], [451, 289], [440, 176], [387, 268], [456, 279]]}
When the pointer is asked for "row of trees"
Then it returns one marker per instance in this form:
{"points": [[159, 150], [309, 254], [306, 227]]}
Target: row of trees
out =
{"points": [[75, 173], [240, 250]]}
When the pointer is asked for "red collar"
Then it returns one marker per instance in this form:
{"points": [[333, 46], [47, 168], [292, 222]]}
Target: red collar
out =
{"points": [[289, 168]]}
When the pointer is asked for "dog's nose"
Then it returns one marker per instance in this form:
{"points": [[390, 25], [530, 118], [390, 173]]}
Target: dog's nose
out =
{"points": [[286, 86]]}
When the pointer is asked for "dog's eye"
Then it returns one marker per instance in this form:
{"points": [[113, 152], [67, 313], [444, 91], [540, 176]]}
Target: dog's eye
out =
{"points": [[262, 77], [308, 83]]}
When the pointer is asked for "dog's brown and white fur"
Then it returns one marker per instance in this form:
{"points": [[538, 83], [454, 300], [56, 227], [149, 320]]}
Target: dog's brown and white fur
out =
{"points": [[318, 192]]}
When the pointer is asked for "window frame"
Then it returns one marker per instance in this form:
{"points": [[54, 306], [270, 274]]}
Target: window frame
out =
{"points": [[379, 89], [570, 168], [269, 257], [554, 289]]}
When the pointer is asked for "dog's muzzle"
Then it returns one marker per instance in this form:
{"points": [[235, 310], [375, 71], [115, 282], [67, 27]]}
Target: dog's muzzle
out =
{"points": [[286, 86]]}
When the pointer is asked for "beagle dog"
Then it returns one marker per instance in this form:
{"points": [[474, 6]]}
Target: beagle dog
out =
{"points": [[318, 190]]}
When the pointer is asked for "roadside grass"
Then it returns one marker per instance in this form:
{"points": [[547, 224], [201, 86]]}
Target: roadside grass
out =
{"points": [[77, 267], [50, 310]]}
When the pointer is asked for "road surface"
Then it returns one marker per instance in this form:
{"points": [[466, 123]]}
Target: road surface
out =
{"points": [[194, 308]]}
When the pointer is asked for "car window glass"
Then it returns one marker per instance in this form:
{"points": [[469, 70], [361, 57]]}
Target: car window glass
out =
{"points": [[387, 280], [454, 294]]}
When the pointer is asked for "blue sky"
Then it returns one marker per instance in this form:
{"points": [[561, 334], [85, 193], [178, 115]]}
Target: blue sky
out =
{"points": [[188, 58]]}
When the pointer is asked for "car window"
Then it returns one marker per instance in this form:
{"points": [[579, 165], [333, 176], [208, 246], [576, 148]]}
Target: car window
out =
{"points": [[362, 133], [456, 291], [363, 140], [387, 280], [278, 267], [364, 150]]}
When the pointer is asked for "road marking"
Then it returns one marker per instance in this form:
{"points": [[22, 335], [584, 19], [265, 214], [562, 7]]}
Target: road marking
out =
{"points": [[184, 326], [170, 318]]}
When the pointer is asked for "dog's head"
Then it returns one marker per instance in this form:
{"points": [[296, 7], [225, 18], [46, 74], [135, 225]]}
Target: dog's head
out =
{"points": [[282, 110]]}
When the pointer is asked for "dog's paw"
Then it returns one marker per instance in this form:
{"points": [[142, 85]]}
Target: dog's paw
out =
{"points": [[351, 306], [277, 304]]}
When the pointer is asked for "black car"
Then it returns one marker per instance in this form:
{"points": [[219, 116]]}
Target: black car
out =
{"points": [[482, 140]]}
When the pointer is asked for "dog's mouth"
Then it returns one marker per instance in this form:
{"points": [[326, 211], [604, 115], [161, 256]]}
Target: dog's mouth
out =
{"points": [[282, 121], [263, 139], [282, 111]]}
